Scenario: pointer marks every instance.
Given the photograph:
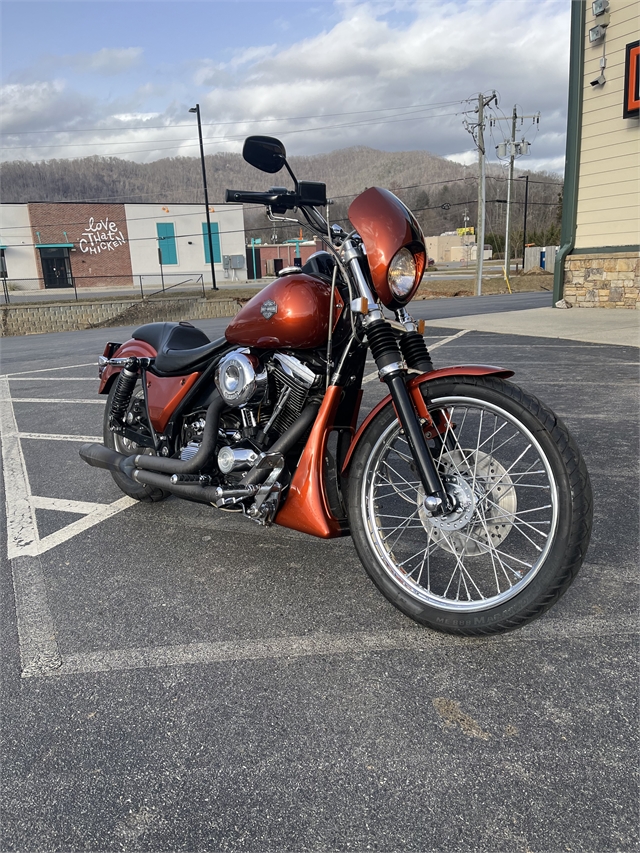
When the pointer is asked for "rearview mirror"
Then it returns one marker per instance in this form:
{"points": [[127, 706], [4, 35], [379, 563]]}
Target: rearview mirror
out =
{"points": [[265, 153]]}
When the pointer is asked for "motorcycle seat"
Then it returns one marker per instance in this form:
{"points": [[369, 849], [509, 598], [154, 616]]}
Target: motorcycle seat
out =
{"points": [[179, 346]]}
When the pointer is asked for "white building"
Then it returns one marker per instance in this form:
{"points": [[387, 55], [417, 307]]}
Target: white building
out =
{"points": [[66, 244]]}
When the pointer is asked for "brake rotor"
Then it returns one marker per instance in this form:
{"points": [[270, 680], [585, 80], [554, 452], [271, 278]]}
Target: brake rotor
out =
{"points": [[484, 503]]}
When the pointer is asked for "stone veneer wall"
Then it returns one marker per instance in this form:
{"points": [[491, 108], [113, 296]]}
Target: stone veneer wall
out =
{"points": [[603, 281], [68, 317]]}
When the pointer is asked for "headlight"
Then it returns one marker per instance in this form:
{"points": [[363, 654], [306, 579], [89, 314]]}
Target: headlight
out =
{"points": [[402, 273]]}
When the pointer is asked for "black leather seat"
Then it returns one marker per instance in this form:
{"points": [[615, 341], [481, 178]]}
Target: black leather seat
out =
{"points": [[179, 346]]}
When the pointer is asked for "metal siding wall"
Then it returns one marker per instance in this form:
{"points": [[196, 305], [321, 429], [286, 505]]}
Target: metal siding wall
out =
{"points": [[609, 185]]}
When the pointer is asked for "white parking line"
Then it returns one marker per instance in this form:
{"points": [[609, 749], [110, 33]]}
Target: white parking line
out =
{"points": [[48, 369], [48, 400], [416, 639], [22, 530], [15, 378], [47, 436], [39, 652]]}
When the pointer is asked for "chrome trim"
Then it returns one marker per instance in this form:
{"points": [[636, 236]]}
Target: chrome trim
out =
{"points": [[394, 367], [294, 368], [251, 387], [103, 361], [406, 320], [351, 254]]}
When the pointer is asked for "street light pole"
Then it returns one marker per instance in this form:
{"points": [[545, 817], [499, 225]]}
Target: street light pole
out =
{"points": [[196, 110], [524, 224]]}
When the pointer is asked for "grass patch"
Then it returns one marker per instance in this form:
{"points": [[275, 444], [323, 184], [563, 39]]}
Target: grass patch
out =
{"points": [[438, 288]]}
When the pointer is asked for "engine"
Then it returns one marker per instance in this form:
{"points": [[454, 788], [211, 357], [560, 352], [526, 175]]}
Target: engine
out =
{"points": [[265, 398]]}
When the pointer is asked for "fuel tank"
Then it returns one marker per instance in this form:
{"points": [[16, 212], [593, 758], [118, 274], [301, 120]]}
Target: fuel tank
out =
{"points": [[292, 311]]}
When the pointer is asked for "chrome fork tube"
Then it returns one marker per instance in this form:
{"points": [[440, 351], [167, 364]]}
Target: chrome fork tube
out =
{"points": [[386, 352]]}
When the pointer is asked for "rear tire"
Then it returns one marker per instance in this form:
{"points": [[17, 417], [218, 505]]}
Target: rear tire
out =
{"points": [[114, 441], [522, 521]]}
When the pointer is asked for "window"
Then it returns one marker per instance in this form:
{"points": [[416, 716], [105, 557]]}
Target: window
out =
{"points": [[167, 242], [215, 242]]}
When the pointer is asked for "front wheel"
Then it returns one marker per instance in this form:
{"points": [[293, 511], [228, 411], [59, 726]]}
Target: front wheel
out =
{"points": [[520, 517]]}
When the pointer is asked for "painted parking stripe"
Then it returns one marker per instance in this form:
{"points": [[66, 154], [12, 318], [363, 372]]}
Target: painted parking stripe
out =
{"points": [[48, 369], [47, 436], [416, 639], [15, 378], [48, 400], [65, 505], [39, 653], [22, 530]]}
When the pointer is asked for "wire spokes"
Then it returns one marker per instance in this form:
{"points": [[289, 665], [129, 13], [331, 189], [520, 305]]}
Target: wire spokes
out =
{"points": [[503, 516]]}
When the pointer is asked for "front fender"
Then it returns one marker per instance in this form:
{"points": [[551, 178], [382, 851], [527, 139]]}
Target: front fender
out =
{"points": [[414, 385]]}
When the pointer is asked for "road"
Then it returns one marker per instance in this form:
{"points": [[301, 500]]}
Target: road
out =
{"points": [[176, 678]]}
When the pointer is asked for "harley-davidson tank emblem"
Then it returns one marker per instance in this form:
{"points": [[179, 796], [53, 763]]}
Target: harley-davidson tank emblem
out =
{"points": [[268, 309]]}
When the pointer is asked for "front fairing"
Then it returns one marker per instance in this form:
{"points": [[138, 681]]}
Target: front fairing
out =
{"points": [[386, 226]]}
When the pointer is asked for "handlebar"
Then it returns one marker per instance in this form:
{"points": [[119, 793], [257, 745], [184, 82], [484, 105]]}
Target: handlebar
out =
{"points": [[279, 198], [306, 194]]}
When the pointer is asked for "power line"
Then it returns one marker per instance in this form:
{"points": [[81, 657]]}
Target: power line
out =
{"points": [[188, 143], [237, 121], [213, 203]]}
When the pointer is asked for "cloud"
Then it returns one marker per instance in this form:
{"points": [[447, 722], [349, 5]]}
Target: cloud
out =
{"points": [[108, 61], [38, 106], [397, 76]]}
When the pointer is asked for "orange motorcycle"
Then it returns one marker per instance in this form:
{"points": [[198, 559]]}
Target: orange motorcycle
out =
{"points": [[467, 499]]}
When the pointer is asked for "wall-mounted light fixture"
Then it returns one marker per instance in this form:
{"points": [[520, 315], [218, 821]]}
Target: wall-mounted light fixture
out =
{"points": [[600, 9], [597, 34]]}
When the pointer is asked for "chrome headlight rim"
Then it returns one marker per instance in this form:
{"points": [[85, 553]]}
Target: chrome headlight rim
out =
{"points": [[402, 274]]}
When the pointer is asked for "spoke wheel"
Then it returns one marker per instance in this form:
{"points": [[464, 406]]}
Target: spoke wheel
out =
{"points": [[515, 529]]}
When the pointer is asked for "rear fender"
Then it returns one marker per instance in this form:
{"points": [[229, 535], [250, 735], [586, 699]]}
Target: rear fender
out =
{"points": [[139, 349], [163, 393], [413, 386]]}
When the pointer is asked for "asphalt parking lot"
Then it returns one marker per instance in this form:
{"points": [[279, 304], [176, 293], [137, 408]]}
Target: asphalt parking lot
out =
{"points": [[176, 678]]}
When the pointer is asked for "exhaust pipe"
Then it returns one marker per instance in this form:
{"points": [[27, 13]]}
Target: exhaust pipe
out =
{"points": [[99, 456], [164, 465], [158, 470]]}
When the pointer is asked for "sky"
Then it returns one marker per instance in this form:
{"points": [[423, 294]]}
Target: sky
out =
{"points": [[117, 77]]}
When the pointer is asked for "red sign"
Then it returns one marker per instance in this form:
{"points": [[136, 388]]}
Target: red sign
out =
{"points": [[631, 107]]}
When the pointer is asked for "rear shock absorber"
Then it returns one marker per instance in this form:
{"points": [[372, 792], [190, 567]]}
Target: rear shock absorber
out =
{"points": [[415, 352], [122, 395]]}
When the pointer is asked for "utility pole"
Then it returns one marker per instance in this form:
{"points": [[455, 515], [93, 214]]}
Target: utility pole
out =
{"points": [[479, 140], [513, 149], [512, 157], [524, 224]]}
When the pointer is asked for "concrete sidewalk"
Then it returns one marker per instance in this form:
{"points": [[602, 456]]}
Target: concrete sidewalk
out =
{"points": [[596, 326]]}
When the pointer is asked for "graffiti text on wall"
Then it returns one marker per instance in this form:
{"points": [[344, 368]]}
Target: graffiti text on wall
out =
{"points": [[103, 236]]}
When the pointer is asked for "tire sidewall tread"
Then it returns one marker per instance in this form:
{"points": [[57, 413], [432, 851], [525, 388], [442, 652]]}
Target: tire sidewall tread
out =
{"points": [[574, 511]]}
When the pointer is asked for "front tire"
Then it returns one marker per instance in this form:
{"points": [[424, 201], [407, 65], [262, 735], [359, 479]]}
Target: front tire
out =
{"points": [[114, 441], [521, 521]]}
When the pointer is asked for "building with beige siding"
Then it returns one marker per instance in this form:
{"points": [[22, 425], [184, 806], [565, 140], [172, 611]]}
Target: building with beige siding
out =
{"points": [[598, 264]]}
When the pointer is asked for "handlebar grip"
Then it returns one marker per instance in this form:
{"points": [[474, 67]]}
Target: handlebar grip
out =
{"points": [[246, 197]]}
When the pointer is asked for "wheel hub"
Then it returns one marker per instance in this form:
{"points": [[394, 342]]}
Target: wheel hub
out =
{"points": [[483, 501]]}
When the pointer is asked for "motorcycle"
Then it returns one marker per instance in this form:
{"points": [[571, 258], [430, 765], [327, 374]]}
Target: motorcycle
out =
{"points": [[467, 499]]}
